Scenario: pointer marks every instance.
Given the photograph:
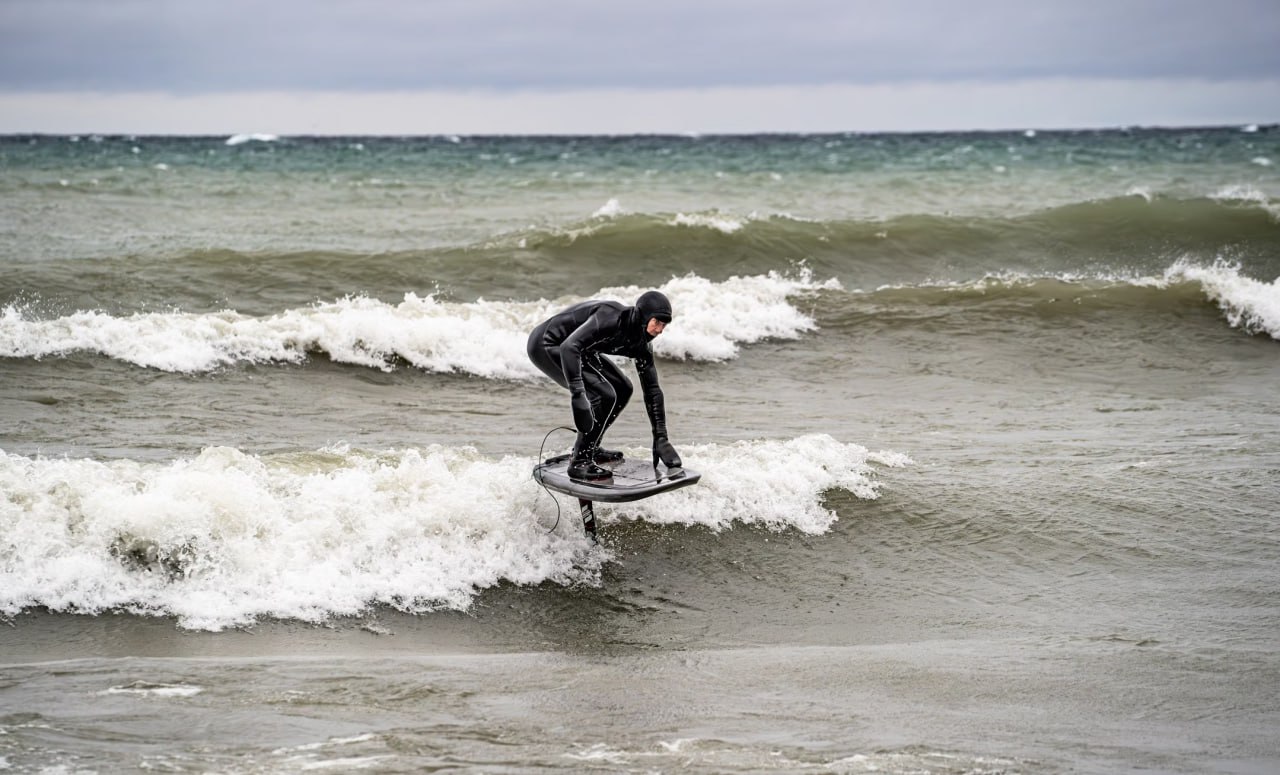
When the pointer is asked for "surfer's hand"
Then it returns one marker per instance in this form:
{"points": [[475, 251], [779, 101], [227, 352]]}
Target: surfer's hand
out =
{"points": [[663, 449], [583, 419]]}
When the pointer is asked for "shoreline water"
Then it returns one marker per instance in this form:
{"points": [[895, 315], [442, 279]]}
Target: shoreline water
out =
{"points": [[930, 705]]}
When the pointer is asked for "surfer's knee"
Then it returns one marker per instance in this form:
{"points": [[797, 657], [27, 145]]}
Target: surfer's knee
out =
{"points": [[534, 346], [604, 393], [624, 391]]}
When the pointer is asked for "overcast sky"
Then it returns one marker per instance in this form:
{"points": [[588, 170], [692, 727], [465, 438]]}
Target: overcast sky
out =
{"points": [[516, 66]]}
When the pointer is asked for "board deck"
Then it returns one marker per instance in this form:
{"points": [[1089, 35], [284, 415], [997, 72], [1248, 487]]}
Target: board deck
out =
{"points": [[632, 480]]}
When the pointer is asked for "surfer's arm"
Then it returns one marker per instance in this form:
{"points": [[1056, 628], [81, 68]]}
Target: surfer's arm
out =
{"points": [[655, 405]]}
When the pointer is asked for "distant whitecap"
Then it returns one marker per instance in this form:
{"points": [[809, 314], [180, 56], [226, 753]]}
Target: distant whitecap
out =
{"points": [[148, 689], [245, 138], [608, 210]]}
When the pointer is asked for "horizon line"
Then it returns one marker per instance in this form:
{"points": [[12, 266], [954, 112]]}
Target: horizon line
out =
{"points": [[1247, 127]]}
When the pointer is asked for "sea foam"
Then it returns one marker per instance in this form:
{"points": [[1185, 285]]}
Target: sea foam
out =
{"points": [[1250, 305], [258, 137], [720, 222], [483, 338], [147, 689], [226, 537]]}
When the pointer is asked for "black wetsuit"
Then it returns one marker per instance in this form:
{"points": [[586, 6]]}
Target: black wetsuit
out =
{"points": [[570, 348]]}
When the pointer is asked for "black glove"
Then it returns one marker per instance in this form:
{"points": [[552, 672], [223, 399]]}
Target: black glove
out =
{"points": [[663, 449], [583, 418]]}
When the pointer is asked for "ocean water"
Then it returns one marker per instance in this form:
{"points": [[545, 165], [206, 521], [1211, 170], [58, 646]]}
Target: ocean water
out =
{"points": [[988, 424]]}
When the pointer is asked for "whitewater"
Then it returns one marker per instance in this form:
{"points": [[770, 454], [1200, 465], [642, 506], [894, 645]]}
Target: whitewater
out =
{"points": [[224, 538], [487, 338]]}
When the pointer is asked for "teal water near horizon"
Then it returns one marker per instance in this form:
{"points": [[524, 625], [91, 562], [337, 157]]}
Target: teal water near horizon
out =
{"points": [[986, 422]]}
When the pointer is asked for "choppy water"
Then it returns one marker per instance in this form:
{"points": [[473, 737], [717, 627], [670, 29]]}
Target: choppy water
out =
{"points": [[987, 426]]}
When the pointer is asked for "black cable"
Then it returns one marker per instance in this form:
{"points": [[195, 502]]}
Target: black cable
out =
{"points": [[541, 448]]}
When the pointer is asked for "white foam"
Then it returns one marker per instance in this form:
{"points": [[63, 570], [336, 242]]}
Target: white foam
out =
{"points": [[720, 222], [713, 319], [782, 215], [734, 488], [483, 338], [609, 209], [241, 139], [1240, 193], [235, 537], [923, 761], [333, 741], [344, 764], [599, 753], [1247, 194], [1250, 305], [145, 689], [223, 538]]}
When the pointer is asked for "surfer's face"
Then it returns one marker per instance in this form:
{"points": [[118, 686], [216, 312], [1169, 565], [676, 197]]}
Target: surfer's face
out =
{"points": [[655, 327]]}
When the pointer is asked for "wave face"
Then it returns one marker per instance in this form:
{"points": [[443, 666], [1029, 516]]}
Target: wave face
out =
{"points": [[1119, 232], [1250, 305], [1130, 225], [730, 276], [487, 339], [482, 338], [225, 537]]}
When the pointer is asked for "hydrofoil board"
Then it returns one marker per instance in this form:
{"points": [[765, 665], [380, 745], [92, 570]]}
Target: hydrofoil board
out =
{"points": [[632, 480]]}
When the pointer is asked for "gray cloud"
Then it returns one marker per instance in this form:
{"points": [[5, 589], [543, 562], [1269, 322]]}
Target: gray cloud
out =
{"points": [[246, 45]]}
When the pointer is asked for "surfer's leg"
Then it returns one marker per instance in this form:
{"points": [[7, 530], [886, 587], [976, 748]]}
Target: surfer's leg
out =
{"points": [[603, 398], [601, 393], [609, 372], [547, 358]]}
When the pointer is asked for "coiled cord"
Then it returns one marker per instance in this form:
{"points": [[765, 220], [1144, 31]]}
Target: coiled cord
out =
{"points": [[541, 448]]}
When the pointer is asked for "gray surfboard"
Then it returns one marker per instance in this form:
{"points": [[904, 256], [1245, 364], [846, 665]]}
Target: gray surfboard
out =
{"points": [[632, 480]]}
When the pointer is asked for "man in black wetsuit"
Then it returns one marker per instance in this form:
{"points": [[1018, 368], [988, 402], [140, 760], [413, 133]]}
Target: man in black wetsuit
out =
{"points": [[570, 348]]}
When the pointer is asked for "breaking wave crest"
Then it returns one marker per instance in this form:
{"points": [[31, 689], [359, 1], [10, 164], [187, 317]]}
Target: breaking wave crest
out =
{"points": [[714, 319], [1251, 305], [226, 537], [483, 338]]}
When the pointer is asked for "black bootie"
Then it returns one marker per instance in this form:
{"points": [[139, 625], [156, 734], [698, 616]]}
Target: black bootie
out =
{"points": [[603, 455], [582, 466]]}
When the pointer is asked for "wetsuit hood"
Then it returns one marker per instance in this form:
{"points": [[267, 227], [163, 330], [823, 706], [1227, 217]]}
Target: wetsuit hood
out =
{"points": [[653, 304]]}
